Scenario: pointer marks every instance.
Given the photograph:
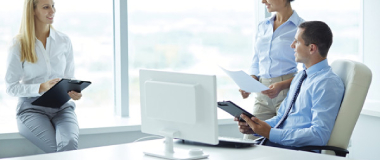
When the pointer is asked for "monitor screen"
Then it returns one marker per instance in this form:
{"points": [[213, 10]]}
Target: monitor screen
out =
{"points": [[179, 105]]}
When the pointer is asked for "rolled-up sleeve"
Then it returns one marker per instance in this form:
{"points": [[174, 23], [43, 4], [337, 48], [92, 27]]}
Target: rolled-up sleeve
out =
{"points": [[254, 69]]}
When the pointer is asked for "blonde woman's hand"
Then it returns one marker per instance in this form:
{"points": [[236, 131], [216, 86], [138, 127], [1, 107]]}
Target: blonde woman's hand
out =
{"points": [[48, 84], [75, 95]]}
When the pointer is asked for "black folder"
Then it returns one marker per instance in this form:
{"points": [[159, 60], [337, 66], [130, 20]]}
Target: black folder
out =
{"points": [[57, 95]]}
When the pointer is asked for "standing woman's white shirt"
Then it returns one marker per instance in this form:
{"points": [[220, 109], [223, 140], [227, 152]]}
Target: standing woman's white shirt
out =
{"points": [[23, 79]]}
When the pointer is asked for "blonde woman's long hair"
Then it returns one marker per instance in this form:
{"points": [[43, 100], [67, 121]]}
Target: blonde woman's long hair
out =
{"points": [[27, 34]]}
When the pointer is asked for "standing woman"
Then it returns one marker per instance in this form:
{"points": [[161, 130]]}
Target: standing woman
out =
{"points": [[39, 57], [274, 63]]}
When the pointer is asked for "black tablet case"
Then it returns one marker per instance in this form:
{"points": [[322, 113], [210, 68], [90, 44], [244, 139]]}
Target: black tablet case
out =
{"points": [[234, 109], [56, 96]]}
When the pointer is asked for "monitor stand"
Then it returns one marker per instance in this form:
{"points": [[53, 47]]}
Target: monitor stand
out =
{"points": [[177, 154]]}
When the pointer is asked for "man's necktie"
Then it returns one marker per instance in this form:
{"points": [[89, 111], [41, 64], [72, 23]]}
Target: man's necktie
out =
{"points": [[304, 75]]}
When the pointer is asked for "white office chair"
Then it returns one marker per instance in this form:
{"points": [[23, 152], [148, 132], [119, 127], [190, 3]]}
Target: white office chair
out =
{"points": [[356, 78]]}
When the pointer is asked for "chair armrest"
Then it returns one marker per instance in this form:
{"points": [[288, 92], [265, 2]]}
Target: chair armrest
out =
{"points": [[338, 151]]}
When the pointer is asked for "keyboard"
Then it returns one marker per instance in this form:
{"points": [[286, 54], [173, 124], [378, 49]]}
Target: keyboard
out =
{"points": [[230, 142], [236, 140]]}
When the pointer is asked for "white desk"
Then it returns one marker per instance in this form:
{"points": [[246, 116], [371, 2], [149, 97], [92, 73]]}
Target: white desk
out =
{"points": [[134, 151]]}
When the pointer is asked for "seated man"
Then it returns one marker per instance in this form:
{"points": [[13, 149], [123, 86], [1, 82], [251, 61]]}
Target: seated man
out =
{"points": [[307, 115]]}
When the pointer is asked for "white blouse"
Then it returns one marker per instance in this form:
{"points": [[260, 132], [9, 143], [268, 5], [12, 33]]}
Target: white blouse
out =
{"points": [[23, 79]]}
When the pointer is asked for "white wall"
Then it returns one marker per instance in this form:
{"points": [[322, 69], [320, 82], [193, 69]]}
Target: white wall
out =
{"points": [[371, 39], [365, 142]]}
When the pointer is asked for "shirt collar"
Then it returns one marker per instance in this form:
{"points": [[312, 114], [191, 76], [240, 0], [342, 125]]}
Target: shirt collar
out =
{"points": [[52, 33], [294, 18], [317, 67]]}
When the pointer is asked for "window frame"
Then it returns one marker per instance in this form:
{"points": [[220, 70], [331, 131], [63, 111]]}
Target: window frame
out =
{"points": [[121, 68]]}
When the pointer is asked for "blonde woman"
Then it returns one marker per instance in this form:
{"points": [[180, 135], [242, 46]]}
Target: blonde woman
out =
{"points": [[39, 57]]}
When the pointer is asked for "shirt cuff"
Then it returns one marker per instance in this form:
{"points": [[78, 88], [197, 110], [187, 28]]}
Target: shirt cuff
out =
{"points": [[35, 88], [253, 71], [275, 135], [256, 135]]}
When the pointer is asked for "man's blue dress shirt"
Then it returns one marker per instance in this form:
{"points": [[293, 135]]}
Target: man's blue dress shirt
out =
{"points": [[273, 55], [313, 115]]}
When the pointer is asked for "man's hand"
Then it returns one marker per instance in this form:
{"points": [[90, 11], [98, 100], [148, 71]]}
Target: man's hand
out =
{"points": [[48, 84], [75, 95], [257, 126], [273, 90], [244, 94], [244, 127]]}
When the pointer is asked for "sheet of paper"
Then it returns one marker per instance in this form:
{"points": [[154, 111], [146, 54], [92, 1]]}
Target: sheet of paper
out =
{"points": [[245, 81]]}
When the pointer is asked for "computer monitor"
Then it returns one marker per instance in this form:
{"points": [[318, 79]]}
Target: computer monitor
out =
{"points": [[178, 105]]}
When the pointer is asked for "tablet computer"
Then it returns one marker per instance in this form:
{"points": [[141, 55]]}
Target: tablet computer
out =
{"points": [[57, 95], [234, 109]]}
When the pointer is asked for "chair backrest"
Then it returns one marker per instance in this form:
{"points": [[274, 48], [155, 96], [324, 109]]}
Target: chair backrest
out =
{"points": [[356, 78]]}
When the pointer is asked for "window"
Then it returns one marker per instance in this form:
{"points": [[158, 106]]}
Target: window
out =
{"points": [[9, 26], [343, 17], [185, 36], [191, 36], [89, 24]]}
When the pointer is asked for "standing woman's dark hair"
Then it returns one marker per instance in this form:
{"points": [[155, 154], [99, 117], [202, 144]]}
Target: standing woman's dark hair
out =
{"points": [[39, 57], [289, 1]]}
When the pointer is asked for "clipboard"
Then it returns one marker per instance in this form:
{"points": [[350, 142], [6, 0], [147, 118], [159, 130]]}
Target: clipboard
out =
{"points": [[234, 110], [57, 95]]}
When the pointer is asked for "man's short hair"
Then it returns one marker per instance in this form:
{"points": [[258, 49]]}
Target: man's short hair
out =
{"points": [[318, 33]]}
